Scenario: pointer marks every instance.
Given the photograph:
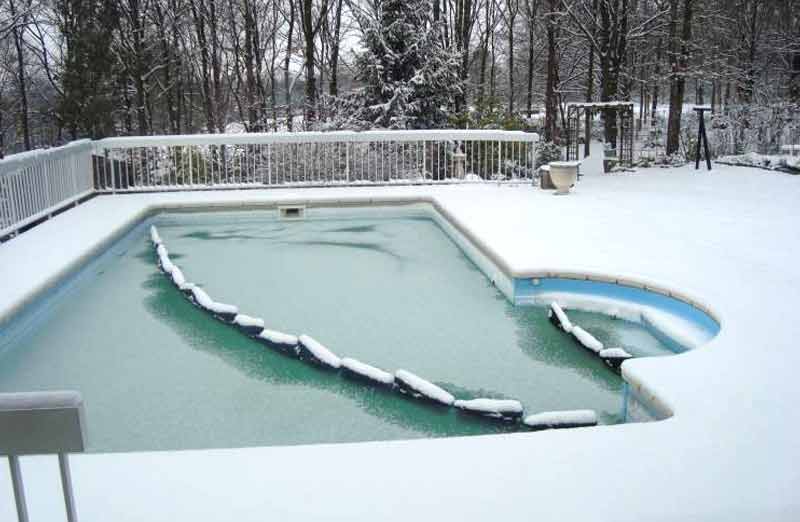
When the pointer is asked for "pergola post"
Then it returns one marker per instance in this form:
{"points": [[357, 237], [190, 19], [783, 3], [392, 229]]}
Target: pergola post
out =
{"points": [[622, 111]]}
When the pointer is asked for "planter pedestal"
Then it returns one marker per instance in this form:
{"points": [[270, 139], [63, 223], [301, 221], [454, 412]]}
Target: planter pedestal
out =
{"points": [[564, 174]]}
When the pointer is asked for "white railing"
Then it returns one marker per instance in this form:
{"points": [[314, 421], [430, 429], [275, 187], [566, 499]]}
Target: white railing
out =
{"points": [[35, 184], [312, 158]]}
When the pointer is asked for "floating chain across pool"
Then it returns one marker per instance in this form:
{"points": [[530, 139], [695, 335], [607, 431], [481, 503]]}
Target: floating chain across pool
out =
{"points": [[308, 349]]}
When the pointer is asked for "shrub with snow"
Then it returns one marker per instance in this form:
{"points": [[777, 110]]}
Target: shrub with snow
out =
{"points": [[547, 152], [410, 78]]}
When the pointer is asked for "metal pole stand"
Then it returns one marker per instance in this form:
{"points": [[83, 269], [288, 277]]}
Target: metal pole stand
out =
{"points": [[701, 137]]}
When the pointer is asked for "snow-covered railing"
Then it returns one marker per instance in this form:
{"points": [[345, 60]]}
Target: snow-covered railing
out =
{"points": [[35, 184], [312, 158]]}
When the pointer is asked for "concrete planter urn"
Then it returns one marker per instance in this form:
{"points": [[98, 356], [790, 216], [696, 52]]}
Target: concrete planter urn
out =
{"points": [[564, 174]]}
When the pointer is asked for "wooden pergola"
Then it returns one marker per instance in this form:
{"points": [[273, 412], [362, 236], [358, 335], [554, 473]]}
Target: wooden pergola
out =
{"points": [[579, 117]]}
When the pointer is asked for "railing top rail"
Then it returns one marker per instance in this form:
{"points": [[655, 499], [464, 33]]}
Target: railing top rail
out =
{"points": [[22, 159], [317, 137], [41, 422]]}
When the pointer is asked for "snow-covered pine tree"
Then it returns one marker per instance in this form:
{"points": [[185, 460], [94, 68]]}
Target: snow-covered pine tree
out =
{"points": [[410, 80]]}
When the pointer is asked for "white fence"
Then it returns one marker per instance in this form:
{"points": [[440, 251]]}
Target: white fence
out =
{"points": [[311, 158], [35, 184]]}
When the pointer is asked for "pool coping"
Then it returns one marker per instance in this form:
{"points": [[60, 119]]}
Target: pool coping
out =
{"points": [[654, 402]]}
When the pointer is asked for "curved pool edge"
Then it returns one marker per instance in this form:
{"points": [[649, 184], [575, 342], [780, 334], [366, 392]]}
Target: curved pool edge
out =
{"points": [[655, 404]]}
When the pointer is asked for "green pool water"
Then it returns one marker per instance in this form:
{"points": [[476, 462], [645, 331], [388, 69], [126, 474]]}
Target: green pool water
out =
{"points": [[156, 373]]}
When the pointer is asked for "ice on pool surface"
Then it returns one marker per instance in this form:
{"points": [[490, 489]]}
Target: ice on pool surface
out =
{"points": [[395, 293]]}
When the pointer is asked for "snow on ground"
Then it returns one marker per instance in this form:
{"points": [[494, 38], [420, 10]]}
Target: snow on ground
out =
{"points": [[730, 452]]}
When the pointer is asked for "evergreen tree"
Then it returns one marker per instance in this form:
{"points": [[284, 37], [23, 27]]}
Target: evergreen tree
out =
{"points": [[85, 103], [410, 79]]}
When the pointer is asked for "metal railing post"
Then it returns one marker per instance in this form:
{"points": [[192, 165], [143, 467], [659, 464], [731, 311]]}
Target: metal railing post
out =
{"points": [[41, 423], [347, 160], [66, 486], [19, 490]]}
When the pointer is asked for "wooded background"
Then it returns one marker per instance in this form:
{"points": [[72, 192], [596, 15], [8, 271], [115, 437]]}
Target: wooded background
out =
{"points": [[94, 68]]}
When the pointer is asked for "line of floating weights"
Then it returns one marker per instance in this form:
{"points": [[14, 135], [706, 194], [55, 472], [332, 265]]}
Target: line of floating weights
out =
{"points": [[308, 349], [612, 357]]}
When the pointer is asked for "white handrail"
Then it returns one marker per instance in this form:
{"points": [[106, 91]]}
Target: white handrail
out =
{"points": [[212, 161], [257, 138], [35, 184]]}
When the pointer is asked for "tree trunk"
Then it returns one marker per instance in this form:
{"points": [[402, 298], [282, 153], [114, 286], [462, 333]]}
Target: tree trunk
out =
{"points": [[333, 87], [657, 79], [21, 79], [287, 63], [512, 15], [253, 119], [531, 12], [590, 85], [199, 18], [679, 60], [309, 113], [551, 105]]}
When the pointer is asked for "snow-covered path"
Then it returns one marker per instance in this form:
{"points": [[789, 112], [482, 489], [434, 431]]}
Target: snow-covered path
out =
{"points": [[730, 452]]}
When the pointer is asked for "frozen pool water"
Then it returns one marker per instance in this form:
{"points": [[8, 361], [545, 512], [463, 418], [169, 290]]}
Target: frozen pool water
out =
{"points": [[385, 286]]}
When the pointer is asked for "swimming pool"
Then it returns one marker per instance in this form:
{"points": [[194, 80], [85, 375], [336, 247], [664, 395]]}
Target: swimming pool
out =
{"points": [[385, 285]]}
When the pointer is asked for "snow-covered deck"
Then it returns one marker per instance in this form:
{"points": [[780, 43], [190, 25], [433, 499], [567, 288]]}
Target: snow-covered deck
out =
{"points": [[729, 237]]}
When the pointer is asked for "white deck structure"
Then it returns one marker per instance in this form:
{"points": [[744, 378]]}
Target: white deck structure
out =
{"points": [[730, 452]]}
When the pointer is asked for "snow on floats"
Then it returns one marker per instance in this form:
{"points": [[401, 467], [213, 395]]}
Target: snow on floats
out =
{"points": [[560, 419], [586, 339], [310, 348], [180, 280], [356, 368], [673, 330], [226, 311], [154, 236], [508, 409], [418, 387], [558, 317], [279, 340], [249, 325]]}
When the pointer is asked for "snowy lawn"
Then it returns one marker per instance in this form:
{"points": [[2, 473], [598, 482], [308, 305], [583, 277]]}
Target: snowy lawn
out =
{"points": [[729, 237]]}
